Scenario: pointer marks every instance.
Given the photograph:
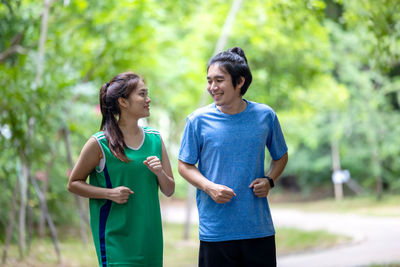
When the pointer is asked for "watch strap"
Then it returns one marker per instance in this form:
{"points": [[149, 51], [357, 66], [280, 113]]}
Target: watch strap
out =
{"points": [[270, 180]]}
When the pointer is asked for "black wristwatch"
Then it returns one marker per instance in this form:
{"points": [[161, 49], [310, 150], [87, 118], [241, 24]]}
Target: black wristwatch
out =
{"points": [[270, 180]]}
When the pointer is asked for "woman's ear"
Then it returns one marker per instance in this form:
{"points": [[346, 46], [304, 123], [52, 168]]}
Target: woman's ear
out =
{"points": [[123, 102]]}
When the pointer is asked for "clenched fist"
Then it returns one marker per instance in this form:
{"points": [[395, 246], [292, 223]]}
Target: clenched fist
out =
{"points": [[120, 194], [260, 187], [154, 165], [220, 193]]}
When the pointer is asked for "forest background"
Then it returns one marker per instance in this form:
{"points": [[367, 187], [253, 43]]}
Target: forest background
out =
{"points": [[330, 69]]}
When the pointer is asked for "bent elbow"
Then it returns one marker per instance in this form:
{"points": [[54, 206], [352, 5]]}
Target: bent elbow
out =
{"points": [[286, 158], [181, 167], [283, 159], [170, 193], [69, 187], [170, 190]]}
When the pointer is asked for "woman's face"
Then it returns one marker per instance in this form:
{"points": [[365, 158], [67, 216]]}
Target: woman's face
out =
{"points": [[138, 102]]}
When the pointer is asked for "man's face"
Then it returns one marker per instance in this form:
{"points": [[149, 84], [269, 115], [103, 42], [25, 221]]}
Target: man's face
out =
{"points": [[220, 86]]}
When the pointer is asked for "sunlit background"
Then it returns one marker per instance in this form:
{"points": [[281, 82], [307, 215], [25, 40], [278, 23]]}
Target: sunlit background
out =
{"points": [[329, 68]]}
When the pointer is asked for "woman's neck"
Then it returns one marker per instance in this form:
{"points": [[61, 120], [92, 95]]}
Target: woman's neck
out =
{"points": [[129, 127]]}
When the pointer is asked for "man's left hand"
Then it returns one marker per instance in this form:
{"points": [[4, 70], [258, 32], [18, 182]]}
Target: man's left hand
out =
{"points": [[260, 187]]}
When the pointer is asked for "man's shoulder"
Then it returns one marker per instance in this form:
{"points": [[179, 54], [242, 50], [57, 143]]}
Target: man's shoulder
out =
{"points": [[260, 107], [202, 112]]}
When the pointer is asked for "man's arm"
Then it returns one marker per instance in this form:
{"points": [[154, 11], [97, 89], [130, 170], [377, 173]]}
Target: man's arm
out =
{"points": [[219, 193], [261, 186]]}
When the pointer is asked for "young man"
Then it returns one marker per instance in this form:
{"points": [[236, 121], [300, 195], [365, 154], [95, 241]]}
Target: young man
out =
{"points": [[228, 139]]}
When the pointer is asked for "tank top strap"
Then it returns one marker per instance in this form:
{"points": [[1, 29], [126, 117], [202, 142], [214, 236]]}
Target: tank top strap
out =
{"points": [[102, 141], [154, 137]]}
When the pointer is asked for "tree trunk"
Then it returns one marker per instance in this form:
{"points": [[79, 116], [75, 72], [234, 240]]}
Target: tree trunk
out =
{"points": [[375, 161], [376, 165], [45, 187], [11, 223], [23, 182], [338, 187], [29, 222], [38, 81], [43, 206], [42, 216], [189, 207], [42, 41]]}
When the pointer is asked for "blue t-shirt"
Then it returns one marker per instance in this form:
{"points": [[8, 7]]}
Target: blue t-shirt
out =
{"points": [[230, 150]]}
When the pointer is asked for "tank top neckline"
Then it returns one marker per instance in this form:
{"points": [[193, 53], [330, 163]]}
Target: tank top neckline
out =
{"points": [[141, 144]]}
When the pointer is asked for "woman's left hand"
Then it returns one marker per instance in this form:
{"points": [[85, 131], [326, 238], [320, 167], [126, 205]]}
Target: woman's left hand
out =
{"points": [[154, 165]]}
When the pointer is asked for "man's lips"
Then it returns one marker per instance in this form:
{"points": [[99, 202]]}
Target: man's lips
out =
{"points": [[217, 94]]}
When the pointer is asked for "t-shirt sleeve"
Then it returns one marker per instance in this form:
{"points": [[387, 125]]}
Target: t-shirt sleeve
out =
{"points": [[190, 145], [276, 141]]}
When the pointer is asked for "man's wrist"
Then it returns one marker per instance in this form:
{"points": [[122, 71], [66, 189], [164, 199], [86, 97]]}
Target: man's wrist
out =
{"points": [[270, 181], [205, 186]]}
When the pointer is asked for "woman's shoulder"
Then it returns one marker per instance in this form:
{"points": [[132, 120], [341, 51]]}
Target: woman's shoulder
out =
{"points": [[92, 145], [99, 135], [98, 139], [150, 130]]}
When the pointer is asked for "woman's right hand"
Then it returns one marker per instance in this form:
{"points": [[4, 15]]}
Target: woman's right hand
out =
{"points": [[119, 194]]}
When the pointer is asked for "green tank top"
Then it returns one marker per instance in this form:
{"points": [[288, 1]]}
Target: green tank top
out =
{"points": [[128, 234]]}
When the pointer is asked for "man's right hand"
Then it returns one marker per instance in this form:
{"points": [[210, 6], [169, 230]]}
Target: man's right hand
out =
{"points": [[220, 193], [119, 194]]}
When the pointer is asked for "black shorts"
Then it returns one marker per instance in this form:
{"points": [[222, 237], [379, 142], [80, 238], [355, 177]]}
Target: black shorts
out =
{"points": [[255, 252]]}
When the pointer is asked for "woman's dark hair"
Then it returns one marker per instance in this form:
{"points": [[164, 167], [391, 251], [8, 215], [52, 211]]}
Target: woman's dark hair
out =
{"points": [[235, 63], [121, 85]]}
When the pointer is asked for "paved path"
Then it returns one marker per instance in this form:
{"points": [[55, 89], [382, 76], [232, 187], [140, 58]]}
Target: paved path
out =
{"points": [[375, 239]]}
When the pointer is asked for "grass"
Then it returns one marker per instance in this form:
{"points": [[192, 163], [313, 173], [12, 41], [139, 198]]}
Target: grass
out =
{"points": [[291, 240], [364, 205], [386, 265], [42, 253], [177, 252]]}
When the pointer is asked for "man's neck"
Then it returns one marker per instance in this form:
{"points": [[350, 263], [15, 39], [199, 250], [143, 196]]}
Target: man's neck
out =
{"points": [[233, 108]]}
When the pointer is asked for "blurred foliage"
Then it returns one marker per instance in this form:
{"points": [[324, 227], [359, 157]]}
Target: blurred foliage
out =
{"points": [[331, 70]]}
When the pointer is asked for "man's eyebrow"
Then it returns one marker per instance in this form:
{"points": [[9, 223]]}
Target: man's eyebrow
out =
{"points": [[216, 77]]}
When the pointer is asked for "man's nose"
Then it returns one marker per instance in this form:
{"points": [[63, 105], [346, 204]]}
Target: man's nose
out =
{"points": [[213, 86]]}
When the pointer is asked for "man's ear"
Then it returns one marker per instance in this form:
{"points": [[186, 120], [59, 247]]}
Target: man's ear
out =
{"points": [[123, 102], [240, 83]]}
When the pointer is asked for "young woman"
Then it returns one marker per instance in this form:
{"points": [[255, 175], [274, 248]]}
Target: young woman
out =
{"points": [[126, 164]]}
